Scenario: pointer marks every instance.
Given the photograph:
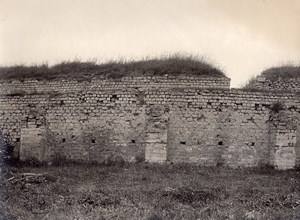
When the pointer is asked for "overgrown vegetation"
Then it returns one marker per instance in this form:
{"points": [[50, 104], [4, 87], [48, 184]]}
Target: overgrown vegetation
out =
{"points": [[248, 85], [277, 107], [169, 65], [286, 71], [144, 191]]}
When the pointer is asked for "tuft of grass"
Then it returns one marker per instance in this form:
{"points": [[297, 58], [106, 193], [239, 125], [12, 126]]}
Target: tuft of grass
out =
{"points": [[168, 65], [249, 83]]}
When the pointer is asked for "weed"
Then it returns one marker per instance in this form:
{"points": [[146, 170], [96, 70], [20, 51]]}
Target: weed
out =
{"points": [[58, 160], [154, 217], [249, 84], [32, 162], [140, 158]]}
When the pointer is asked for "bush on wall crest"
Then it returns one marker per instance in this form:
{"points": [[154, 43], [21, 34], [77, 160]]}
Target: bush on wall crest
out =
{"points": [[277, 107]]}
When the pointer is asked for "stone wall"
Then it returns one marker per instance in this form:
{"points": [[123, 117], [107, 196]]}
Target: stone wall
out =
{"points": [[142, 82], [285, 84], [153, 120], [231, 127]]}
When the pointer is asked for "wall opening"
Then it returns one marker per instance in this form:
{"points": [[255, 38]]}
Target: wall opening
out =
{"points": [[114, 97]]}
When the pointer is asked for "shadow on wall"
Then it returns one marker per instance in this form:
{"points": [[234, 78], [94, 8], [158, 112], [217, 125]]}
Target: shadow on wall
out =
{"points": [[6, 150]]}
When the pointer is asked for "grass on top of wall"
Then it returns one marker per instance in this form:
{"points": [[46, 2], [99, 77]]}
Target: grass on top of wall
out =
{"points": [[284, 72], [168, 65]]}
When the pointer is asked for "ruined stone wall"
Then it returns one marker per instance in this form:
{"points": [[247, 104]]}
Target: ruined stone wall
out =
{"points": [[165, 122], [231, 127], [284, 84], [142, 82], [87, 125]]}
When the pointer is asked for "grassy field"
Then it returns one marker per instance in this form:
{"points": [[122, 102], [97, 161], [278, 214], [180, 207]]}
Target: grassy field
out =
{"points": [[142, 191]]}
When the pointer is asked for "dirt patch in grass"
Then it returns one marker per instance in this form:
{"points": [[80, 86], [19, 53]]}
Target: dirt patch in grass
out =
{"points": [[146, 191], [194, 197]]}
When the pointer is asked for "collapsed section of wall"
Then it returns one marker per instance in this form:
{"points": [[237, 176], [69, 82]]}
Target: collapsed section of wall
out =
{"points": [[277, 84]]}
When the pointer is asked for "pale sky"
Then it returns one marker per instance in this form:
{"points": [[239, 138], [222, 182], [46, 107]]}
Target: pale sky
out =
{"points": [[242, 37]]}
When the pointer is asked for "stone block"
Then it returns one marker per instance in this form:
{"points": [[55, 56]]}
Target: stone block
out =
{"points": [[34, 144]]}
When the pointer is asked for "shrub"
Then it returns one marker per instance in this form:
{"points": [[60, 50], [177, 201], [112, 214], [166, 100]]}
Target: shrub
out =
{"points": [[33, 162], [140, 158], [58, 160], [112, 160], [277, 107], [154, 217], [297, 168]]}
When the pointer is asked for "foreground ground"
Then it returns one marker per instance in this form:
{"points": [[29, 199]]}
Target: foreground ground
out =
{"points": [[148, 192]]}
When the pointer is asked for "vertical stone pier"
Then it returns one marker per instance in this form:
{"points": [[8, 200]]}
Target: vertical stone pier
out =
{"points": [[283, 146], [283, 153], [33, 144], [297, 148], [34, 140], [156, 134]]}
